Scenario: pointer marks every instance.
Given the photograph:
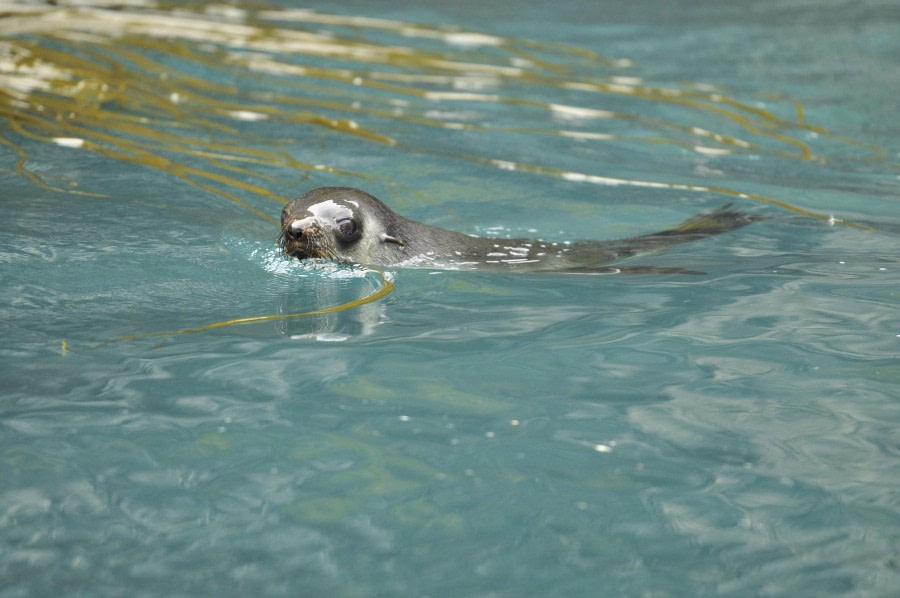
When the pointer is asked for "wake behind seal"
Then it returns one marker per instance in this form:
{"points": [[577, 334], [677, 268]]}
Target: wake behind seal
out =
{"points": [[349, 225]]}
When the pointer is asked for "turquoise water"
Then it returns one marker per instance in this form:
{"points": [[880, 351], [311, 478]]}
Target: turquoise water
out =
{"points": [[468, 434]]}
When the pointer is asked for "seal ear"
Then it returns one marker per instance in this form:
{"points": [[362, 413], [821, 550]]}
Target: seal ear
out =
{"points": [[389, 239]]}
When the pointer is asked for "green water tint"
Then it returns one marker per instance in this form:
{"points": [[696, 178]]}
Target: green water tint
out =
{"points": [[111, 81]]}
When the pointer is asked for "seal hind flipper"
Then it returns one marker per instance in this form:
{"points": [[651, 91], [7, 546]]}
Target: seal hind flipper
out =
{"points": [[707, 224], [715, 222]]}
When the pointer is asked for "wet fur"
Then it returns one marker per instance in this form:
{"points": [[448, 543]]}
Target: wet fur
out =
{"points": [[389, 239]]}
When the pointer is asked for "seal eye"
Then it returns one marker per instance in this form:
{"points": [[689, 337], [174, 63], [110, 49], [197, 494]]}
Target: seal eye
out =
{"points": [[348, 228]]}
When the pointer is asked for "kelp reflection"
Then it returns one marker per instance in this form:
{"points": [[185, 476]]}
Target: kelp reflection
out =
{"points": [[144, 83]]}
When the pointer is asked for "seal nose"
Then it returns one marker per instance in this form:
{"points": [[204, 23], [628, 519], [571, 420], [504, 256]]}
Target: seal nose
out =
{"points": [[298, 228]]}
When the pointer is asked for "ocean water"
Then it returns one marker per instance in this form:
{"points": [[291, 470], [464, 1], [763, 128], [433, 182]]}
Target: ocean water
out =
{"points": [[184, 411]]}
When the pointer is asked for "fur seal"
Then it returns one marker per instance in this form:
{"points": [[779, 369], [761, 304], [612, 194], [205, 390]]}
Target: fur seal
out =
{"points": [[348, 225]]}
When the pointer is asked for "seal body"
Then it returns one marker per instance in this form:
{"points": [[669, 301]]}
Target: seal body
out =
{"points": [[349, 225]]}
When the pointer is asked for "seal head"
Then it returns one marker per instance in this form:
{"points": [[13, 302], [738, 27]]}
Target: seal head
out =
{"points": [[335, 223], [349, 225]]}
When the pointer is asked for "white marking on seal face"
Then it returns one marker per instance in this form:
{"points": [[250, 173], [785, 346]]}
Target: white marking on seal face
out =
{"points": [[319, 209], [329, 212]]}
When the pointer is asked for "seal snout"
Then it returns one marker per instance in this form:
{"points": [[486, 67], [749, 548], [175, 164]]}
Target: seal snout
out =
{"points": [[305, 238], [303, 227]]}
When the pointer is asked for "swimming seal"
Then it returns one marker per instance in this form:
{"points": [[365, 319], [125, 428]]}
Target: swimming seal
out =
{"points": [[348, 225]]}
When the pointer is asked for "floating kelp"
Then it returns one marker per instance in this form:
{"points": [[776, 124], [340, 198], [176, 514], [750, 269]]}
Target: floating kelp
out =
{"points": [[381, 290], [142, 82]]}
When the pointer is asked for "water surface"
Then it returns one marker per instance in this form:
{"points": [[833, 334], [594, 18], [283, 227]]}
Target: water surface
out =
{"points": [[445, 433]]}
